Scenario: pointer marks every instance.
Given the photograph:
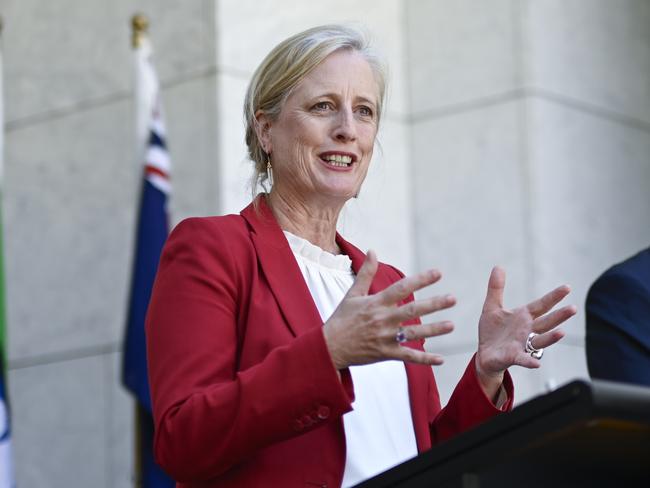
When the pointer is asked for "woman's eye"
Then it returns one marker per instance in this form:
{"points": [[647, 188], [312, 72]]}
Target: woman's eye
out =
{"points": [[322, 106], [365, 111]]}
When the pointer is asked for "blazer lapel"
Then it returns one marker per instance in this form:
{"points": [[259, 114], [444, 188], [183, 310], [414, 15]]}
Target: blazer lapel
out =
{"points": [[281, 269]]}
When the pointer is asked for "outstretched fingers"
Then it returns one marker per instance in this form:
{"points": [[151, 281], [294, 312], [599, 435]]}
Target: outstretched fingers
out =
{"points": [[365, 329], [409, 355], [547, 339], [405, 287], [424, 331], [547, 302], [551, 320], [418, 308], [547, 333], [418, 332]]}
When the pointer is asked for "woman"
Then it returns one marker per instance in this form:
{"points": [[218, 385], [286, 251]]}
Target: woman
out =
{"points": [[278, 352]]}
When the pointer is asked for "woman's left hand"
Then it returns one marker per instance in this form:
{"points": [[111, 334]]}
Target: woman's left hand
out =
{"points": [[503, 333]]}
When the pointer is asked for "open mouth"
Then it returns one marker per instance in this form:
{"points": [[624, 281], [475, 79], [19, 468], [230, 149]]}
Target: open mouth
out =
{"points": [[338, 160]]}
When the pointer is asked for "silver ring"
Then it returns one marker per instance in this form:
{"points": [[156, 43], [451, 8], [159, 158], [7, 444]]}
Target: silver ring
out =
{"points": [[400, 336], [529, 349]]}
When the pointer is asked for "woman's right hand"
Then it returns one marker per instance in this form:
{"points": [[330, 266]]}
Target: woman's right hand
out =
{"points": [[363, 327]]}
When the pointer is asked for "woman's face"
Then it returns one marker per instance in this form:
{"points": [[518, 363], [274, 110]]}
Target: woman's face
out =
{"points": [[322, 142]]}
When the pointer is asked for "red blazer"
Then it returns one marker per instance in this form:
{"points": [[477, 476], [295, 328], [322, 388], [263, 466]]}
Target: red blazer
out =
{"points": [[244, 391]]}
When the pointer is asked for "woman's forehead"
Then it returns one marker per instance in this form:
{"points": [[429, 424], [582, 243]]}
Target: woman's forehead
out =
{"points": [[342, 72]]}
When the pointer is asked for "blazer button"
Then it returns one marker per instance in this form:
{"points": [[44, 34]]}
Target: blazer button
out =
{"points": [[298, 425], [323, 412], [307, 421]]}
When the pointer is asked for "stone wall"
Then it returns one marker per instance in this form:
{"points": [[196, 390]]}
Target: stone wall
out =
{"points": [[529, 129]]}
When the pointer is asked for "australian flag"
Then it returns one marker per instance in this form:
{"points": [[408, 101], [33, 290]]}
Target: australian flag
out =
{"points": [[151, 232]]}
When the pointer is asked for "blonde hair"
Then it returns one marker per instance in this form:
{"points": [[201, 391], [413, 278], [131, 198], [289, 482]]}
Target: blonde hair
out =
{"points": [[286, 66]]}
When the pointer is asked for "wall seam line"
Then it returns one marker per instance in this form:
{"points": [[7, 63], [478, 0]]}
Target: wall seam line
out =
{"points": [[63, 356], [529, 92], [94, 103]]}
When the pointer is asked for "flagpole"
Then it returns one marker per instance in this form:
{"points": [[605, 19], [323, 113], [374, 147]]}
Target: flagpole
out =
{"points": [[152, 229], [145, 82], [139, 34], [139, 29]]}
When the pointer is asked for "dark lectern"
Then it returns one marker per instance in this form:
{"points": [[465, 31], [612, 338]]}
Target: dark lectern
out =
{"points": [[580, 435]]}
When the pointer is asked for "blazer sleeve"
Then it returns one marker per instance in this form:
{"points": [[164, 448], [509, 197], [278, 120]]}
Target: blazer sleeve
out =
{"points": [[468, 406], [209, 415]]}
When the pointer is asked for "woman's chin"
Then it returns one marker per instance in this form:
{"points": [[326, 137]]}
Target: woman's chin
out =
{"points": [[338, 193], [338, 187]]}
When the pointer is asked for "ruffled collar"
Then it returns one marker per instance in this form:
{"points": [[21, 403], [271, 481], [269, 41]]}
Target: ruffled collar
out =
{"points": [[313, 253]]}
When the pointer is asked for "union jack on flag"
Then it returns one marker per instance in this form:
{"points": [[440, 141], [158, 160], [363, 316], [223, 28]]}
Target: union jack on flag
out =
{"points": [[157, 163]]}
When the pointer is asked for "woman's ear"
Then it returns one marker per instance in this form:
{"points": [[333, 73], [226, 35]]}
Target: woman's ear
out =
{"points": [[263, 130]]}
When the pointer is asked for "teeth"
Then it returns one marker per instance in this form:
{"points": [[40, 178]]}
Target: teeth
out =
{"points": [[338, 159]]}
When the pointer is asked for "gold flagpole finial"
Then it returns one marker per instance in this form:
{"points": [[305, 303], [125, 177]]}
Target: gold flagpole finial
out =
{"points": [[139, 28]]}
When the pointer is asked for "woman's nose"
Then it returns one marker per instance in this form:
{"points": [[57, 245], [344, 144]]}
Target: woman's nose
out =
{"points": [[345, 129]]}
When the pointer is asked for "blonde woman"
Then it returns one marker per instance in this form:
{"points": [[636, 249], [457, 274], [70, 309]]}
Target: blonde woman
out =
{"points": [[279, 353]]}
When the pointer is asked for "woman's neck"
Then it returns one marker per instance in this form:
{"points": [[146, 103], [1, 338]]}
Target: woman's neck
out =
{"points": [[313, 221]]}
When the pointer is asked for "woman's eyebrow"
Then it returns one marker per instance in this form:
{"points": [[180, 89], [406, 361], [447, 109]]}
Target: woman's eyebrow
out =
{"points": [[366, 100], [336, 96]]}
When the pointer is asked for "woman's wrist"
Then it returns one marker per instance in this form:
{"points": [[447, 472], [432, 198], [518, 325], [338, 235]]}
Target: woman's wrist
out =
{"points": [[490, 381], [333, 351]]}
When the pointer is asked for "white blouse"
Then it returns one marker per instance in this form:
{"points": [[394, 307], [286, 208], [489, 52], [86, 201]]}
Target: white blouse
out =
{"points": [[379, 431]]}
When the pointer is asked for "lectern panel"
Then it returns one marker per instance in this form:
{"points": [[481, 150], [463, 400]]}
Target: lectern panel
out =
{"points": [[581, 435]]}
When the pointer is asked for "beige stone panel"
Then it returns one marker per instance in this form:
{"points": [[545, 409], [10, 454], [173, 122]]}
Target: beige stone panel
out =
{"points": [[71, 203], [60, 54], [590, 197], [58, 421], [69, 208], [119, 417], [470, 210], [247, 31], [460, 51], [193, 142], [234, 167], [597, 52]]}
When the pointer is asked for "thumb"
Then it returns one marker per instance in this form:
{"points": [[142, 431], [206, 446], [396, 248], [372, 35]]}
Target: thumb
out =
{"points": [[364, 278], [496, 284]]}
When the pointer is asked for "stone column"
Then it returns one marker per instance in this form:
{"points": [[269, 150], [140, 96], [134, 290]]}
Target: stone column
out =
{"points": [[529, 125]]}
